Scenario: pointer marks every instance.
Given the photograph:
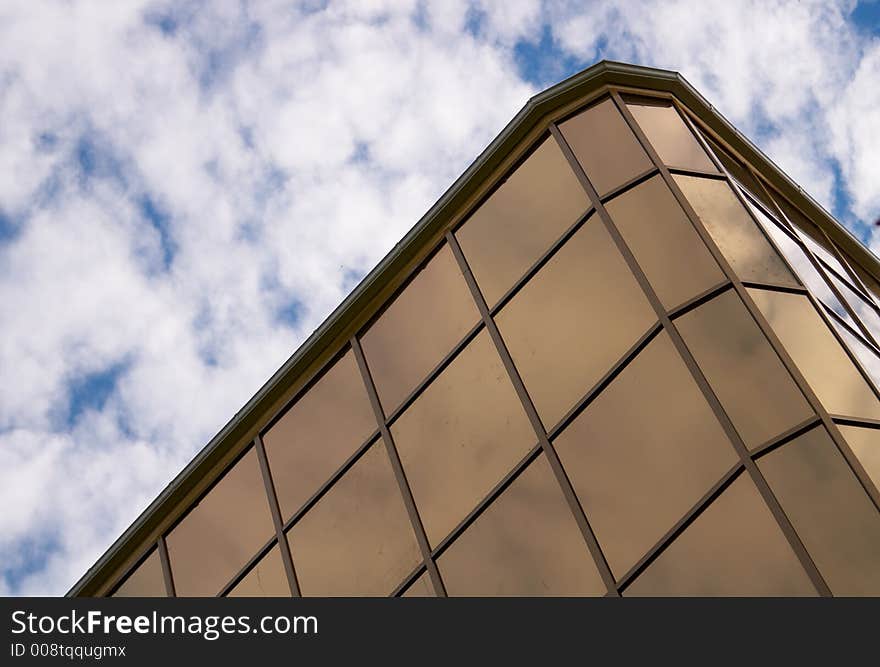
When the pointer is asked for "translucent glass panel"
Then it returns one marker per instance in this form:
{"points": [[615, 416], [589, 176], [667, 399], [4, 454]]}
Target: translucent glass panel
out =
{"points": [[521, 220], [222, 532], [605, 146], [818, 355], [744, 371], [358, 539], [865, 444], [829, 509], [318, 434], [525, 543], [419, 328], [643, 453], [461, 436], [665, 244], [577, 317], [420, 588], [669, 135], [733, 548], [266, 579], [146, 581], [750, 254]]}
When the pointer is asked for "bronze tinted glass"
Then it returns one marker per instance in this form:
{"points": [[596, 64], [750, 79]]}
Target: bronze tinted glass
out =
{"points": [[319, 432], [605, 146], [461, 436], [222, 532], [419, 328], [420, 588], [866, 355], [818, 355], [266, 579], [146, 581], [755, 389], [733, 548], [525, 543], [665, 244], [643, 453], [830, 511], [574, 320], [865, 444], [739, 172], [521, 220], [738, 237], [670, 137], [358, 539], [865, 311]]}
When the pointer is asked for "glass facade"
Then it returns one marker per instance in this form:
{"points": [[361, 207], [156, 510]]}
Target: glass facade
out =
{"points": [[631, 368]]}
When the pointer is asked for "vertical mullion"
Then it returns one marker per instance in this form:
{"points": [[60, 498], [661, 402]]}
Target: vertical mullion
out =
{"points": [[397, 467], [166, 567], [683, 351], [529, 407], [272, 498]]}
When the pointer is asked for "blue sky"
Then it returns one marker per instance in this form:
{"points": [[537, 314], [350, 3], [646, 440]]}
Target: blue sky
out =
{"points": [[187, 189]]}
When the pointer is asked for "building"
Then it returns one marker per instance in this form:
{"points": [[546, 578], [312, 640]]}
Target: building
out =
{"points": [[624, 354]]}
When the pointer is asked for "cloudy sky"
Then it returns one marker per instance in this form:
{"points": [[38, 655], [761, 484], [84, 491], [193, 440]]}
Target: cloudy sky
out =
{"points": [[187, 189]]}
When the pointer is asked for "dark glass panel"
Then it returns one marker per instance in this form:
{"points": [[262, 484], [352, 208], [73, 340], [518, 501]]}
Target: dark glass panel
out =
{"points": [[222, 532], [643, 453], [146, 581], [865, 444], [665, 244], [420, 588], [525, 543], [605, 146], [818, 355], [319, 432], [755, 389], [734, 548], [829, 509], [574, 320], [738, 237], [267, 579], [521, 220], [461, 436], [419, 328], [358, 539], [670, 137]]}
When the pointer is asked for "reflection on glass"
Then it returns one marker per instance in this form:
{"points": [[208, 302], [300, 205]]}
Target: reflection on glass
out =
{"points": [[817, 354], [146, 581], [866, 312], [574, 320], [266, 579], [829, 509], [222, 532], [521, 220], [419, 328], [755, 389], [866, 355], [734, 548], [605, 146], [358, 539], [643, 453], [420, 588], [461, 436], [865, 444], [750, 254], [318, 434], [525, 543], [669, 136], [665, 244]]}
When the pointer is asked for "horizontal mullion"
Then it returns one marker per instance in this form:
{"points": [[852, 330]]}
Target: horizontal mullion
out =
{"points": [[786, 436], [699, 299], [245, 570]]}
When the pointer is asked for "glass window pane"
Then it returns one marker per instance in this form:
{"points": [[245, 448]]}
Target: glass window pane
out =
{"points": [[358, 539], [734, 548], [643, 452], [420, 588], [866, 355], [669, 136], [865, 311], [318, 433], [818, 355], [865, 444], [461, 436], [222, 532], [829, 509], [736, 234], [419, 328], [146, 581], [605, 146], [267, 579], [521, 220], [574, 320], [665, 244], [525, 543], [756, 391]]}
